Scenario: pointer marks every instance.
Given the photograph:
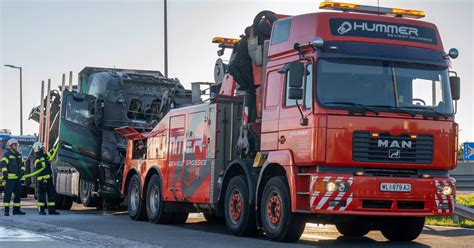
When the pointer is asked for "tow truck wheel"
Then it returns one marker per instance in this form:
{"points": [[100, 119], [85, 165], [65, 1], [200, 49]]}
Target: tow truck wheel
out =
{"points": [[239, 214], [402, 228], [354, 228], [278, 222], [135, 204], [155, 204]]}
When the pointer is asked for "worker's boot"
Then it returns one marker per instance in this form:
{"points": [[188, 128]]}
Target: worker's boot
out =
{"points": [[41, 211], [7, 211], [17, 211], [52, 210]]}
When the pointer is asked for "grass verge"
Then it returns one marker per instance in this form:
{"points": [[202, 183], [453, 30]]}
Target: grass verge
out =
{"points": [[466, 200]]}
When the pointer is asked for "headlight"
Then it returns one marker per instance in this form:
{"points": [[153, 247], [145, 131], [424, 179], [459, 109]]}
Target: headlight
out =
{"points": [[446, 190], [330, 187]]}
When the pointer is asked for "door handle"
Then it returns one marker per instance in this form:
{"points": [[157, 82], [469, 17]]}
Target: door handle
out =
{"points": [[282, 139]]}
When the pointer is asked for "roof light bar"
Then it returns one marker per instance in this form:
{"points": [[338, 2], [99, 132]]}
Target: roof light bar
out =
{"points": [[225, 42], [349, 7]]}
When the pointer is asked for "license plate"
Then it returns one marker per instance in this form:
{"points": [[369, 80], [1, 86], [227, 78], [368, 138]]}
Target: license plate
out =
{"points": [[395, 187]]}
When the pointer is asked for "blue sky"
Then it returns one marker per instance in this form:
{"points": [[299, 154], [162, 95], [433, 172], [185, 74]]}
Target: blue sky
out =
{"points": [[48, 38]]}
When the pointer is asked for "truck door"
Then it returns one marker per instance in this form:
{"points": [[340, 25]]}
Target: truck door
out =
{"points": [[196, 172], [271, 111], [79, 138], [175, 157], [291, 134]]}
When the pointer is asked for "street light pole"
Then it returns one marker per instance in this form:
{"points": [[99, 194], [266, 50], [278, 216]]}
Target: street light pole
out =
{"points": [[21, 95], [166, 39]]}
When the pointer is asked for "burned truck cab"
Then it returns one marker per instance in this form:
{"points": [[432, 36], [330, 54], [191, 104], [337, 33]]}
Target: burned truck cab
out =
{"points": [[91, 154]]}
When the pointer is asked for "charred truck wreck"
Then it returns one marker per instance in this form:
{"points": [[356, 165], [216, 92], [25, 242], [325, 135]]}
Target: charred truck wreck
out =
{"points": [[91, 156]]}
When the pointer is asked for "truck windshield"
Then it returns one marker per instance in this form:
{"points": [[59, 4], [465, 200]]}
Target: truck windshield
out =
{"points": [[393, 86]]}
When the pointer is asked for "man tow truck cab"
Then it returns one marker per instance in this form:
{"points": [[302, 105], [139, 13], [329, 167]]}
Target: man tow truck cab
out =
{"points": [[341, 117]]}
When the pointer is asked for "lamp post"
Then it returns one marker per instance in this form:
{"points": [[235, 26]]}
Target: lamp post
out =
{"points": [[166, 37], [21, 96]]}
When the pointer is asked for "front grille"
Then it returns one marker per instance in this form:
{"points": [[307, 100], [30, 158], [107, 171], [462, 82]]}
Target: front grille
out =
{"points": [[392, 149], [410, 205], [376, 204]]}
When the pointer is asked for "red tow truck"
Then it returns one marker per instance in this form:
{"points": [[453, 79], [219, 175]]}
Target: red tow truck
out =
{"points": [[341, 117]]}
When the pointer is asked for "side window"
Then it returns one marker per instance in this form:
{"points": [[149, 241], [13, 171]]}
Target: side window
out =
{"points": [[139, 149], [308, 87], [79, 112], [273, 89], [288, 102], [135, 110], [281, 32]]}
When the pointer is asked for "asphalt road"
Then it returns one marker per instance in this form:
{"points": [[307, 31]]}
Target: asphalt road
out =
{"points": [[89, 227]]}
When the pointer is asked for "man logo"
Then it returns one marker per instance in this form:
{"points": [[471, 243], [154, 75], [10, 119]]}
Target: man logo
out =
{"points": [[344, 28], [394, 144], [394, 154]]}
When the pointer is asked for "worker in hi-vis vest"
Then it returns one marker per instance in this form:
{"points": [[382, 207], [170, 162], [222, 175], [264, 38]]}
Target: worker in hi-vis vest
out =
{"points": [[13, 168], [44, 179]]}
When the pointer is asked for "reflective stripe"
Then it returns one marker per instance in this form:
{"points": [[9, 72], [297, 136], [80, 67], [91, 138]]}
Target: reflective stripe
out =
{"points": [[11, 156], [4, 169], [12, 176], [40, 204], [16, 204], [44, 177], [50, 204], [5, 159], [6, 204], [23, 168]]}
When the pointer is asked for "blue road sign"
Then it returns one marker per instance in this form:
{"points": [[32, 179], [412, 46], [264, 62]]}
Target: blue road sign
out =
{"points": [[469, 151]]}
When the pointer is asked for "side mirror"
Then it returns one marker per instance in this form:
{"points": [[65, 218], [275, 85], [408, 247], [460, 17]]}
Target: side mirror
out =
{"points": [[295, 93], [455, 84], [296, 72], [78, 97]]}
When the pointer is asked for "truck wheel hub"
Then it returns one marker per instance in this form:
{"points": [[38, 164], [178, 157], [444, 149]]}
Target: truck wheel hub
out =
{"points": [[274, 209], [236, 205]]}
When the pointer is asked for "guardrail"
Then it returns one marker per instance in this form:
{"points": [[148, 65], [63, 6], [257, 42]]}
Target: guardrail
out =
{"points": [[463, 211], [464, 175]]}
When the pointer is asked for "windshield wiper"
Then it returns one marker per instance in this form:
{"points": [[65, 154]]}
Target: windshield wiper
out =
{"points": [[427, 109], [361, 107], [394, 109]]}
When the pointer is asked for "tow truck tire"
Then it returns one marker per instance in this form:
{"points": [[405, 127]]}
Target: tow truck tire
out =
{"points": [[354, 228], [402, 228], [85, 194], [278, 222], [155, 205], [135, 204], [240, 216]]}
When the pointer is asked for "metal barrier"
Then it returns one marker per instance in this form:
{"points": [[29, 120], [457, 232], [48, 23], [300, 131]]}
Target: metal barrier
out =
{"points": [[464, 175], [463, 211]]}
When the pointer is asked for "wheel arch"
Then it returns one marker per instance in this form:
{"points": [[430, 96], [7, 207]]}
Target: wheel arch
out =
{"points": [[154, 170], [278, 163], [130, 174], [236, 168]]}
